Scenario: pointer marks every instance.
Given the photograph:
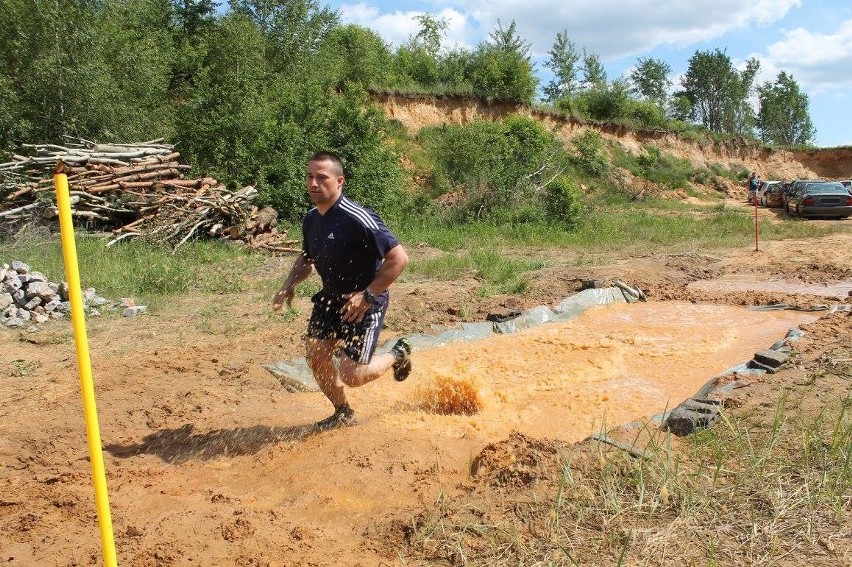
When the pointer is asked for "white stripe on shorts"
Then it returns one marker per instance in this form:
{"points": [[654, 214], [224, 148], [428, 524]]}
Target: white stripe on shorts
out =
{"points": [[370, 336]]}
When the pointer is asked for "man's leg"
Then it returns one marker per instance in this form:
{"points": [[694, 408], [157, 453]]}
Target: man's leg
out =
{"points": [[361, 365], [354, 374], [320, 358]]}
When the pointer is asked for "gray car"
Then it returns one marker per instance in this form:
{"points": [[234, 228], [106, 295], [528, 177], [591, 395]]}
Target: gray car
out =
{"points": [[822, 199]]}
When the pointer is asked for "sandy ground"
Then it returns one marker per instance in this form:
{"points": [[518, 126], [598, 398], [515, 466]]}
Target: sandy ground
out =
{"points": [[211, 462]]}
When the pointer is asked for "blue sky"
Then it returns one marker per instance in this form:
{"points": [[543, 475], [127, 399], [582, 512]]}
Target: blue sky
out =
{"points": [[810, 39]]}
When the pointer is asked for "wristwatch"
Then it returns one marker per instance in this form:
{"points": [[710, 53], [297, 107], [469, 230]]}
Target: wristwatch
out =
{"points": [[370, 298]]}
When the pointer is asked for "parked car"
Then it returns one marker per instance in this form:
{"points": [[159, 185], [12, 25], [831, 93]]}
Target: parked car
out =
{"points": [[772, 197], [762, 189], [796, 185], [823, 199]]}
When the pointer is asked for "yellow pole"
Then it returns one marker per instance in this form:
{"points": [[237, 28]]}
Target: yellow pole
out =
{"points": [[84, 365]]}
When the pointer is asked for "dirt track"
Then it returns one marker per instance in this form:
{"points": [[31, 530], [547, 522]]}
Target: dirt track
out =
{"points": [[209, 460]]}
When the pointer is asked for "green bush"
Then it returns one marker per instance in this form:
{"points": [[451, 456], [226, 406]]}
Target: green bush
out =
{"points": [[563, 203], [607, 104], [497, 75], [413, 65], [343, 125], [496, 168], [590, 155], [644, 114], [662, 169]]}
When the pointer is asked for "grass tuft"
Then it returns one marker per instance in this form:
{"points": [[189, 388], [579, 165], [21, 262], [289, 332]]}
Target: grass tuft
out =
{"points": [[750, 491]]}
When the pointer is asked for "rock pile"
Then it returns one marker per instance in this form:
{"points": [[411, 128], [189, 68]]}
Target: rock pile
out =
{"points": [[27, 296]]}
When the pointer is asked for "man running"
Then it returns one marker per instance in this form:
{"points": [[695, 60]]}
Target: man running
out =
{"points": [[357, 258]]}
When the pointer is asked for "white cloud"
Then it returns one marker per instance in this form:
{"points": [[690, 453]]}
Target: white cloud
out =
{"points": [[609, 28], [398, 26], [821, 61], [620, 28]]}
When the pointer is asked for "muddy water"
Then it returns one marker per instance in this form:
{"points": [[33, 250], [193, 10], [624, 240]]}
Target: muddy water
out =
{"points": [[611, 365]]}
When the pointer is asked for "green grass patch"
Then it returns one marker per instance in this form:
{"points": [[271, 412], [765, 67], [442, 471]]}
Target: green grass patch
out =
{"points": [[662, 169], [495, 253], [496, 273], [627, 226], [135, 268], [757, 489]]}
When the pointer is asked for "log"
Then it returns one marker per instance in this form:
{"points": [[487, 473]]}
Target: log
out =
{"points": [[103, 188], [180, 183], [122, 237], [136, 189], [18, 210], [18, 193]]}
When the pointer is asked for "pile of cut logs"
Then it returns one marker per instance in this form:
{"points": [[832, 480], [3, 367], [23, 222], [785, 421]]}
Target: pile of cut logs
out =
{"points": [[133, 190]]}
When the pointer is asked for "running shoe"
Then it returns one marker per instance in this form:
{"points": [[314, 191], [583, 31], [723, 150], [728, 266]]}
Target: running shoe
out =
{"points": [[402, 365], [343, 416]]}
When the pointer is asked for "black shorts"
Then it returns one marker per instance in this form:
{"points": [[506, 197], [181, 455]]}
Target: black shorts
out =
{"points": [[359, 339]]}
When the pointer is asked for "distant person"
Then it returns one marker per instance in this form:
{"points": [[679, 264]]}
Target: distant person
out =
{"points": [[753, 183], [357, 258]]}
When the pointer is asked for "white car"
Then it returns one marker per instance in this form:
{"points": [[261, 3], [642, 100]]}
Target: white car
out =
{"points": [[764, 186]]}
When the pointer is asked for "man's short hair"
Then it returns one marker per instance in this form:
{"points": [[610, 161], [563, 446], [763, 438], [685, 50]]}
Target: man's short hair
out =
{"points": [[328, 156]]}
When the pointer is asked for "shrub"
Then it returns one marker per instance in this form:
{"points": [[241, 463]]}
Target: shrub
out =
{"points": [[608, 104], [590, 155], [496, 74], [493, 165], [645, 114], [563, 203]]}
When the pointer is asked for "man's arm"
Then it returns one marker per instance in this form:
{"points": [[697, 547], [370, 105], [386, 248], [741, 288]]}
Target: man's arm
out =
{"points": [[394, 263], [392, 266], [298, 273]]}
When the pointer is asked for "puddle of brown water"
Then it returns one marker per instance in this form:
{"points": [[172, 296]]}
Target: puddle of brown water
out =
{"points": [[743, 283], [609, 366]]}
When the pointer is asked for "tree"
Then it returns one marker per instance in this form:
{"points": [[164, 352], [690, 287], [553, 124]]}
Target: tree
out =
{"points": [[431, 30], [193, 16], [44, 48], [132, 50], [94, 69], [594, 74], [293, 30], [563, 62], [354, 55], [501, 68], [508, 40], [417, 61], [783, 117], [193, 22], [740, 117], [718, 94], [228, 123], [650, 80]]}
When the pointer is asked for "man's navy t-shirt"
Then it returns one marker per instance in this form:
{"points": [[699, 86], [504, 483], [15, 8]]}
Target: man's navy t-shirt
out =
{"points": [[346, 245]]}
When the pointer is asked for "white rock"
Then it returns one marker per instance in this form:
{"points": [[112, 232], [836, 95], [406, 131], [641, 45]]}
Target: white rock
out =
{"points": [[135, 310], [20, 267]]}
